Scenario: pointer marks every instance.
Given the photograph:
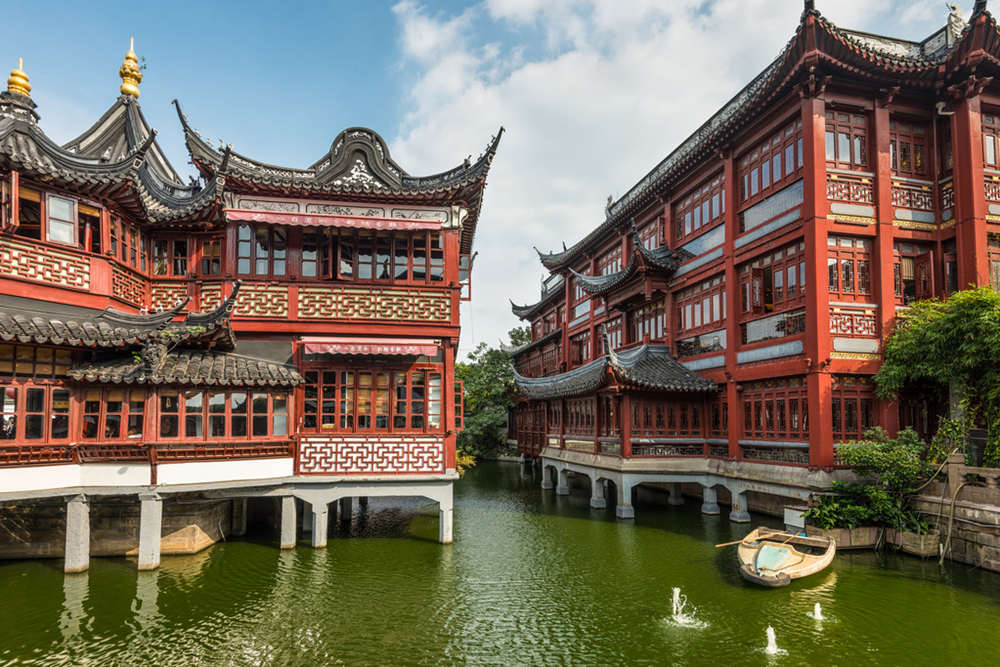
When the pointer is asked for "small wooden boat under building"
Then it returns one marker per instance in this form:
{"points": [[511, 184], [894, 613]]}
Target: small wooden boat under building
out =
{"points": [[773, 558]]}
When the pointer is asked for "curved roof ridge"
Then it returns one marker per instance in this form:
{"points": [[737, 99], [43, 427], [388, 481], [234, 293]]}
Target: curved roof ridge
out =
{"points": [[580, 380]]}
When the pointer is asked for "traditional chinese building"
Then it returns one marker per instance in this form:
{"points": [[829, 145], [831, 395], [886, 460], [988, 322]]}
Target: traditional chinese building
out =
{"points": [[259, 331], [722, 323]]}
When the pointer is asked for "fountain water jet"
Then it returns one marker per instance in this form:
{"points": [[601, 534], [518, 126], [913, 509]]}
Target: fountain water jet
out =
{"points": [[817, 613], [680, 614], [772, 643]]}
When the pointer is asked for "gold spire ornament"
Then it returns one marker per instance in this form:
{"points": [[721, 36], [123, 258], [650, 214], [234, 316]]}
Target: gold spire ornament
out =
{"points": [[18, 81], [129, 71]]}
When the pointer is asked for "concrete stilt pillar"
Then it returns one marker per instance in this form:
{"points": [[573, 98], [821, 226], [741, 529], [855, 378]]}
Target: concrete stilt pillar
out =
{"points": [[239, 517], [346, 509], [563, 488], [738, 513], [623, 506], [363, 502], [306, 517], [150, 531], [320, 521], [446, 518], [597, 500], [547, 478], [709, 500], [676, 497], [77, 554], [287, 539]]}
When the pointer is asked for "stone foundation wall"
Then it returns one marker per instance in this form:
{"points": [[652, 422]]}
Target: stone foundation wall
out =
{"points": [[37, 529], [975, 533]]}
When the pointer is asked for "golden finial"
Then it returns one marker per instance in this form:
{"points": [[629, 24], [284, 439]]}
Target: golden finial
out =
{"points": [[18, 81], [129, 71]]}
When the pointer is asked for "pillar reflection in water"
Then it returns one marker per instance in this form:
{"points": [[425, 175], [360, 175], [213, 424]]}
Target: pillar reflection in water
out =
{"points": [[76, 588], [145, 607]]}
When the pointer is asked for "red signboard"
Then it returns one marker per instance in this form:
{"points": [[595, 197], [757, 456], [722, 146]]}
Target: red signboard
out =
{"points": [[319, 220], [370, 346]]}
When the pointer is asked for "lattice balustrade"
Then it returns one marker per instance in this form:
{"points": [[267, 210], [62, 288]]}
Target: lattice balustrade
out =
{"points": [[991, 189], [668, 450], [853, 322], [374, 304], [794, 455], [164, 296], [851, 189], [360, 455], [24, 455], [128, 286], [912, 196], [255, 300], [38, 262], [719, 451], [947, 195], [223, 451]]}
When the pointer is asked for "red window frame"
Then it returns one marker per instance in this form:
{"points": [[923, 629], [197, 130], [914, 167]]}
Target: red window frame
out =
{"points": [[610, 261], [347, 399], [852, 406], [776, 409], [459, 405], [991, 140], [701, 307], [656, 417], [648, 319], [847, 144], [580, 416], [701, 208], [171, 256], [579, 346], [210, 253], [772, 164], [47, 405], [849, 267], [908, 143], [198, 415], [993, 257], [113, 414], [261, 251], [774, 282]]}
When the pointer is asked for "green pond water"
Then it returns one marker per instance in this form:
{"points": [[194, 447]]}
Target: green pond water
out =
{"points": [[531, 578]]}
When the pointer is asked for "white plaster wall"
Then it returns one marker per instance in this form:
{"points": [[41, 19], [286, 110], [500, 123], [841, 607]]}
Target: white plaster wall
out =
{"points": [[222, 471], [114, 474], [40, 478]]}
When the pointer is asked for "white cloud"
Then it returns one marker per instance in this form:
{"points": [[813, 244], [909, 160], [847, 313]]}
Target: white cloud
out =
{"points": [[617, 86]]}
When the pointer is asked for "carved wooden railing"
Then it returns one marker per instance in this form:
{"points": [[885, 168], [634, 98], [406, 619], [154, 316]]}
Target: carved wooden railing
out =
{"points": [[777, 454], [13, 455], [850, 188]]}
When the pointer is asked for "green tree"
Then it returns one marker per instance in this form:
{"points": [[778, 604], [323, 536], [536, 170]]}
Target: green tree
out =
{"points": [[488, 380], [952, 342]]}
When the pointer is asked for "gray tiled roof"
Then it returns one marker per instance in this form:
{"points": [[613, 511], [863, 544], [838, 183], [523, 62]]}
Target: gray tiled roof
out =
{"points": [[191, 367]]}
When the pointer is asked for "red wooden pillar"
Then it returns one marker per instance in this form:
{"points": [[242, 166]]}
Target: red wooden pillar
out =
{"points": [[15, 198], [733, 308], [970, 200], [450, 436], [884, 294], [817, 338], [568, 314], [626, 426], [597, 424]]}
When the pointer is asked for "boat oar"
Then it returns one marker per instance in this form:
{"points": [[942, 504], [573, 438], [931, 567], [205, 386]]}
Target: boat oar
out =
{"points": [[729, 544]]}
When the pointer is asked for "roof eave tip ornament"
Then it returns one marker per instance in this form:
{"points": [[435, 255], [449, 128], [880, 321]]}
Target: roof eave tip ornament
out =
{"points": [[808, 7], [979, 7], [130, 72], [17, 83]]}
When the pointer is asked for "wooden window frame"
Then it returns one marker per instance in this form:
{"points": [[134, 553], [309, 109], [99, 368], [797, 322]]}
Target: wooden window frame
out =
{"points": [[692, 300], [125, 413], [228, 414], [851, 393], [845, 267], [649, 318], [47, 411], [855, 126], [700, 209], [776, 409], [784, 143], [914, 138], [757, 297], [171, 257]]}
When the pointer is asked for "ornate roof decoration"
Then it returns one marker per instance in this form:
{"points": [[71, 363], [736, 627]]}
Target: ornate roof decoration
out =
{"points": [[130, 72], [661, 259], [357, 166], [528, 311], [191, 367], [116, 329], [18, 81], [854, 53], [647, 367]]}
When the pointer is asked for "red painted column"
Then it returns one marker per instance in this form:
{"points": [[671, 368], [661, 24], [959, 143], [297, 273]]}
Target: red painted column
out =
{"points": [[882, 277], [817, 338], [970, 200], [448, 389], [733, 309], [626, 427]]}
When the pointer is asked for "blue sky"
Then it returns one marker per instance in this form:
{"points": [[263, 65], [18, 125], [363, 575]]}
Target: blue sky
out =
{"points": [[593, 93]]}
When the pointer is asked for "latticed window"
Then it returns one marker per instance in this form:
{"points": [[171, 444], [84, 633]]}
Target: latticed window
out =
{"points": [[853, 406], [611, 261], [849, 267], [991, 140], [579, 346], [703, 206], [774, 281], [773, 164], [261, 250], [660, 418], [648, 320], [233, 415], [776, 409], [993, 247], [908, 148], [36, 414], [846, 140], [701, 307], [211, 257], [170, 257], [580, 416], [32, 361], [342, 400], [113, 414]]}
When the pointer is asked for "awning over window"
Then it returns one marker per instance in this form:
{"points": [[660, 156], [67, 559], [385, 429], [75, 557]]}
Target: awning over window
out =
{"points": [[373, 346], [319, 220]]}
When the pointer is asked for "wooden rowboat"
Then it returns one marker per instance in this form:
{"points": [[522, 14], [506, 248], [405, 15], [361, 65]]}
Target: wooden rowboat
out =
{"points": [[773, 558]]}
